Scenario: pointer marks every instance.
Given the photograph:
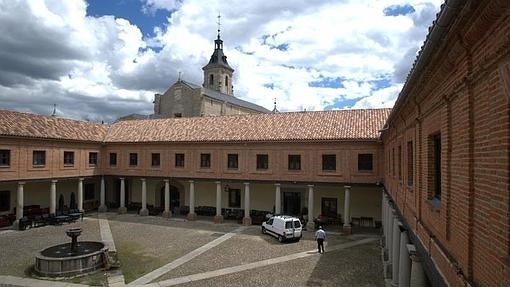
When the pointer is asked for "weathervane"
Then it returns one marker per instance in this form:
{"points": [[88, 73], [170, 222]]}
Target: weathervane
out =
{"points": [[219, 24], [54, 110]]}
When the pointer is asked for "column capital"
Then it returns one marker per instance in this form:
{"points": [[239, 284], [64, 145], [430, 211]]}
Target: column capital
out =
{"points": [[277, 184], [54, 181], [347, 186], [142, 179], [22, 182], [166, 180], [246, 183], [191, 181], [218, 182], [310, 185], [81, 178], [122, 178]]}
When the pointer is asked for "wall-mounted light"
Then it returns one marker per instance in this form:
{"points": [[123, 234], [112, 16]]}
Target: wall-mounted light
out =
{"points": [[227, 188]]}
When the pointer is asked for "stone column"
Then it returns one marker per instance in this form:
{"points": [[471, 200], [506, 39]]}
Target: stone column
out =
{"points": [[218, 218], [347, 210], [191, 214], [122, 208], [247, 218], [277, 199], [404, 269], [53, 197], [19, 203], [167, 212], [418, 278], [102, 207], [310, 225], [144, 211], [395, 252], [80, 194]]}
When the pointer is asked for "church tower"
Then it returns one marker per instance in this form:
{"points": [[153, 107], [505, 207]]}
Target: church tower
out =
{"points": [[218, 73]]}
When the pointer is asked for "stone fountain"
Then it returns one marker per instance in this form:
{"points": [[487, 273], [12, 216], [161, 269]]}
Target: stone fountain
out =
{"points": [[71, 259]]}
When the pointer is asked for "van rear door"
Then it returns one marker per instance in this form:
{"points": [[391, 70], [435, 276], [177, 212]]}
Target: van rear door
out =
{"points": [[297, 228]]}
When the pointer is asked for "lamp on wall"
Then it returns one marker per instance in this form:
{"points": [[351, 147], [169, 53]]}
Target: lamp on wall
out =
{"points": [[227, 188]]}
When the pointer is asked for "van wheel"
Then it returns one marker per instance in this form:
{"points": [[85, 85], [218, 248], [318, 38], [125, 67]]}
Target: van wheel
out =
{"points": [[280, 238], [263, 230]]}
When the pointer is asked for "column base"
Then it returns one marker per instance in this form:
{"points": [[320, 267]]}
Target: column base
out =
{"points": [[102, 208], [191, 216], [166, 214], [218, 219], [246, 220], [310, 226], [144, 212], [15, 225], [387, 271], [347, 230], [122, 210]]}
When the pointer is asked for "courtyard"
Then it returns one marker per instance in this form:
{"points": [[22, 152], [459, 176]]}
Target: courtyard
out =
{"points": [[174, 252]]}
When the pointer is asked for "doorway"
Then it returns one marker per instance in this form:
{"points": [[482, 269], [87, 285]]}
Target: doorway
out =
{"points": [[72, 202], [292, 203], [61, 203], [174, 197], [329, 206]]}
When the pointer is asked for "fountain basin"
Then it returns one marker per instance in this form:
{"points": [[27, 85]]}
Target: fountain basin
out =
{"points": [[63, 261]]}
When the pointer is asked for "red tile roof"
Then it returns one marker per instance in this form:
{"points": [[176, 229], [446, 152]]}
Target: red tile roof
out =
{"points": [[296, 126], [351, 125], [37, 126]]}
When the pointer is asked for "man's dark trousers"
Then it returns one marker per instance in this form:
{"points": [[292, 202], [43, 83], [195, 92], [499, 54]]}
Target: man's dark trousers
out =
{"points": [[320, 244]]}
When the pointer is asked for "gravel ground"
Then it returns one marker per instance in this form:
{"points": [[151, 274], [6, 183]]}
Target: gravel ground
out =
{"points": [[248, 247], [357, 266]]}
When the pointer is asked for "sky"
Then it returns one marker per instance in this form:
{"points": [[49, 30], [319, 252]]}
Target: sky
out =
{"points": [[98, 60]]}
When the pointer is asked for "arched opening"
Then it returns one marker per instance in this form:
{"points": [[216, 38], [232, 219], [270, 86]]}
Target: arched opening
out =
{"points": [[226, 81], [61, 203], [211, 79], [72, 202]]}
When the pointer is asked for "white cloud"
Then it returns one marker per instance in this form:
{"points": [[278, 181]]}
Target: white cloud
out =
{"points": [[52, 51]]}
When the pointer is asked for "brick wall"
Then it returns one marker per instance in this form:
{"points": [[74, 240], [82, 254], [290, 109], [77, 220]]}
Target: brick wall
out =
{"points": [[462, 93]]}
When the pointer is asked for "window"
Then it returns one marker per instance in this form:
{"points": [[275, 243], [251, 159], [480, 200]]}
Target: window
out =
{"points": [[400, 162], [5, 200], [155, 159], [205, 160], [410, 164], [178, 115], [234, 197], [133, 159], [393, 162], [69, 158], [232, 161], [92, 158], [435, 166], [226, 81], [262, 161], [211, 79], [179, 160], [294, 162], [5, 157], [329, 162], [39, 157], [113, 158], [365, 162], [89, 193]]}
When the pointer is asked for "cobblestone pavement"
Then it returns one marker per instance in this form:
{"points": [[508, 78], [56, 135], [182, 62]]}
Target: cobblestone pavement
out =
{"points": [[246, 257]]}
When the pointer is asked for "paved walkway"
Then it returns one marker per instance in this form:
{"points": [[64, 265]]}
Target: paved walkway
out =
{"points": [[180, 261], [20, 281], [115, 277], [249, 266]]}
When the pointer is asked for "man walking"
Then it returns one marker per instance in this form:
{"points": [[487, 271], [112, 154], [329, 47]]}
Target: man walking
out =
{"points": [[320, 236]]}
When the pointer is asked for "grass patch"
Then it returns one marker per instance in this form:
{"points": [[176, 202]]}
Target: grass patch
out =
{"points": [[133, 261]]}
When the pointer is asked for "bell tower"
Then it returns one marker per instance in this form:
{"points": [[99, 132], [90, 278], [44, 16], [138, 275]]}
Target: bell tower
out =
{"points": [[218, 73]]}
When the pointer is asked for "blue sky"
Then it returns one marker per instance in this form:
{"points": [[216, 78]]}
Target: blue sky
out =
{"points": [[99, 60]]}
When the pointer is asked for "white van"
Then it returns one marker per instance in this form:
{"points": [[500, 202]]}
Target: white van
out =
{"points": [[283, 227]]}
